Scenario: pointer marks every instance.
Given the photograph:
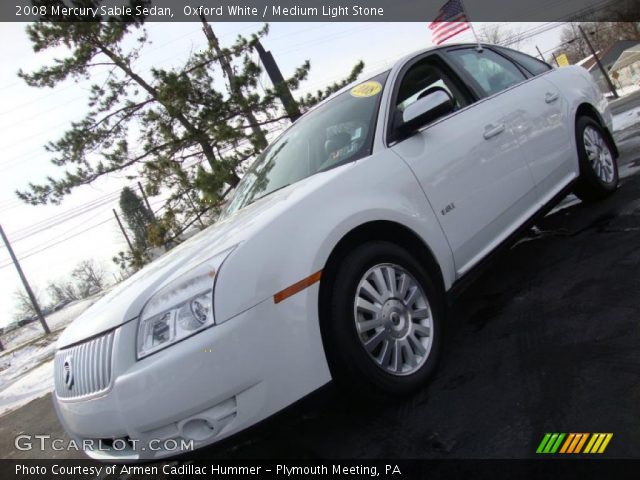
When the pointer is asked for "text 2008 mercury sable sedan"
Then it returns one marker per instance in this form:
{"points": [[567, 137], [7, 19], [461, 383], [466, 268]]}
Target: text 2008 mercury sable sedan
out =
{"points": [[335, 256]]}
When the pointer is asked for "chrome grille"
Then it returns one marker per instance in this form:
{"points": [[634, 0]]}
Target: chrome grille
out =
{"points": [[84, 369]]}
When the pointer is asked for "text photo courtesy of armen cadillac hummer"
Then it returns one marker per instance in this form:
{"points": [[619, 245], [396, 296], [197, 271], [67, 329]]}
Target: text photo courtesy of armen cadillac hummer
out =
{"points": [[213, 469], [294, 238]]}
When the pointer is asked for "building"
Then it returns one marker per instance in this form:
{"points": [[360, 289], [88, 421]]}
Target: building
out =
{"points": [[621, 60]]}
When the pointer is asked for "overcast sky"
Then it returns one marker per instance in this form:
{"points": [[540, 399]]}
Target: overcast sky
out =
{"points": [[30, 117]]}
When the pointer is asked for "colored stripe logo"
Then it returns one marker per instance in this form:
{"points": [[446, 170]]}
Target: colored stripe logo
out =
{"points": [[574, 443]]}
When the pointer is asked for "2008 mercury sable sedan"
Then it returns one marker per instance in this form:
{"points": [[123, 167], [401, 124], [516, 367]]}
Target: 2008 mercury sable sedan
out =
{"points": [[336, 255]]}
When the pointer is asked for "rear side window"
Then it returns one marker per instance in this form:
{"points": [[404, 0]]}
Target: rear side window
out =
{"points": [[491, 71], [529, 63]]}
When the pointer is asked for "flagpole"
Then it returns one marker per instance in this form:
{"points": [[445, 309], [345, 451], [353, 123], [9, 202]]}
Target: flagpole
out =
{"points": [[473, 30]]}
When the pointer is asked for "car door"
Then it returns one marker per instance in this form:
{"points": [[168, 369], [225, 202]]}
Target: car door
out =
{"points": [[538, 120], [467, 162]]}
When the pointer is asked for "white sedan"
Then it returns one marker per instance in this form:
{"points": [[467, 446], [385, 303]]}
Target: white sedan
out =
{"points": [[337, 255]]}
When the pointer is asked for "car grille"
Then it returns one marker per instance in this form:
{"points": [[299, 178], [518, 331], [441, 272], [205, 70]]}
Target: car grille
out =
{"points": [[84, 369]]}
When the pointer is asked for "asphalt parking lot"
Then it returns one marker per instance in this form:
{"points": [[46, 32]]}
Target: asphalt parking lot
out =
{"points": [[546, 340]]}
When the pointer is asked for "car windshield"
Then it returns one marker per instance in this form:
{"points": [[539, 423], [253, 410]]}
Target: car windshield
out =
{"points": [[339, 131]]}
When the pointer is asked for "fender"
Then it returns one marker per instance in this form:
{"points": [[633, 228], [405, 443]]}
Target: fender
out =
{"points": [[320, 222], [580, 90]]}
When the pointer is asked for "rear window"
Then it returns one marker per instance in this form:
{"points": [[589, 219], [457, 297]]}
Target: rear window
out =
{"points": [[529, 63], [493, 73]]}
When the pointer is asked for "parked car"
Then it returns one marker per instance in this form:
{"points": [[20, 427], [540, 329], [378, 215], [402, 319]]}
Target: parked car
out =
{"points": [[93, 290], [11, 327], [61, 304], [339, 251], [26, 321]]}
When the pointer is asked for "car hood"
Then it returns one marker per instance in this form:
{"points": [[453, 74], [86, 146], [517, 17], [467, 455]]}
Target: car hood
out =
{"points": [[125, 302]]}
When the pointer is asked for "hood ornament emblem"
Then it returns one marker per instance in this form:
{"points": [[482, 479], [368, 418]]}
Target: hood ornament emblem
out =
{"points": [[68, 373]]}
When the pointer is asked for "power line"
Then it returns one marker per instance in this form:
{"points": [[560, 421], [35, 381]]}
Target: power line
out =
{"points": [[25, 283], [47, 245], [58, 219], [104, 200], [336, 36], [62, 218], [56, 107], [527, 34], [577, 38], [50, 245]]}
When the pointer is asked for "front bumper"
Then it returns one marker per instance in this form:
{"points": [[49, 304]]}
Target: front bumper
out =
{"points": [[205, 388]]}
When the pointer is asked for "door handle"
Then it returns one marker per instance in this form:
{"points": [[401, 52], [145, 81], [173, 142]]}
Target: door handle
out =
{"points": [[551, 97], [491, 130]]}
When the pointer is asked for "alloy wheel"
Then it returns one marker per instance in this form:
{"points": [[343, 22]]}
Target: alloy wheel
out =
{"points": [[599, 154], [393, 319]]}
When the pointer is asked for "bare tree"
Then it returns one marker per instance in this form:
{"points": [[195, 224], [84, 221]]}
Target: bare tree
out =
{"points": [[89, 276], [23, 307], [601, 34], [501, 34], [62, 291]]}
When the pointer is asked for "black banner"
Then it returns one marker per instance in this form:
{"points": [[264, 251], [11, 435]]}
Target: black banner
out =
{"points": [[323, 469], [315, 11]]}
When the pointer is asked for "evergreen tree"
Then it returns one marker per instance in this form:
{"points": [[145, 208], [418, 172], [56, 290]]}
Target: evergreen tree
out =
{"points": [[137, 216], [180, 129]]}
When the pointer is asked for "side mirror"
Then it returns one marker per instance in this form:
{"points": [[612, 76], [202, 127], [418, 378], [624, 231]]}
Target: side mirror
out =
{"points": [[435, 104]]}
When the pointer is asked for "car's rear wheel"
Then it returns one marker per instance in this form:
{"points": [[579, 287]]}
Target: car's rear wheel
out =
{"points": [[598, 166], [383, 324]]}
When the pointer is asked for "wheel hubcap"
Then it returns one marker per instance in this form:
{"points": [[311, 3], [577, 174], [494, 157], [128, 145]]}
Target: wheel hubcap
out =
{"points": [[599, 154], [393, 319]]}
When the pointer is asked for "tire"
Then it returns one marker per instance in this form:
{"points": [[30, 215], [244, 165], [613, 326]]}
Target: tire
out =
{"points": [[407, 323], [598, 166]]}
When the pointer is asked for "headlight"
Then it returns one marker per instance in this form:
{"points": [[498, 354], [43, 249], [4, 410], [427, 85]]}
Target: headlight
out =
{"points": [[180, 309]]}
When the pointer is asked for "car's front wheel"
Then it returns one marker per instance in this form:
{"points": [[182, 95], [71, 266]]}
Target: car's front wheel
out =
{"points": [[598, 167], [383, 325]]}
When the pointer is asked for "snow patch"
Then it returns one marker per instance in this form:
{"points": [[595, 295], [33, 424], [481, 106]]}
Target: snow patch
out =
{"points": [[56, 321], [627, 119], [35, 384], [26, 372]]}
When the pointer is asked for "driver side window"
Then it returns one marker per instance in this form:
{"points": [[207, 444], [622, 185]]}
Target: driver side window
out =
{"points": [[423, 78]]}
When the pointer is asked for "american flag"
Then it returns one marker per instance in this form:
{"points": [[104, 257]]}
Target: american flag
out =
{"points": [[451, 20]]}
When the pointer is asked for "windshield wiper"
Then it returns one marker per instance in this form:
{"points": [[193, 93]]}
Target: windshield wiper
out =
{"points": [[268, 193]]}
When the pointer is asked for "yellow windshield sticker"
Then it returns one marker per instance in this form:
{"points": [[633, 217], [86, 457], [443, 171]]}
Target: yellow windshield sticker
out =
{"points": [[366, 89]]}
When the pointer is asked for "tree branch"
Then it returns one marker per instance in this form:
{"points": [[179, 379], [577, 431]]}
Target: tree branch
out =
{"points": [[136, 107]]}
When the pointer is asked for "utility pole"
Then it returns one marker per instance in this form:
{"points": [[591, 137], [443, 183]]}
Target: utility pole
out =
{"points": [[270, 65], [146, 201], [124, 232], [555, 58], [25, 283], [540, 53], [235, 88], [600, 66]]}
